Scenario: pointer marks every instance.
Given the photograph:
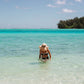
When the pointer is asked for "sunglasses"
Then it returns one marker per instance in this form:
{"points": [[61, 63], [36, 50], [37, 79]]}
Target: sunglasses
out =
{"points": [[43, 46]]}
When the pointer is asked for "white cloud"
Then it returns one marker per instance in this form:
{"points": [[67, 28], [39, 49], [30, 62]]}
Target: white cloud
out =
{"points": [[17, 7], [61, 2], [52, 6], [68, 10], [78, 0]]}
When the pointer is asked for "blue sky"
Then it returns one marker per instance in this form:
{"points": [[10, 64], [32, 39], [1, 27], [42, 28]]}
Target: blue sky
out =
{"points": [[38, 13]]}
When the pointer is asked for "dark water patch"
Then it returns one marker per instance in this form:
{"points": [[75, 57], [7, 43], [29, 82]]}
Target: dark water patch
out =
{"points": [[42, 31]]}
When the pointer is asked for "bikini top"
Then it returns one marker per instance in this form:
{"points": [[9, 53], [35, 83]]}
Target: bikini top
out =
{"points": [[44, 53]]}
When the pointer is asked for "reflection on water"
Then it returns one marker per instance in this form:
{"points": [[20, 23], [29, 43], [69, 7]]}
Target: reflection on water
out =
{"points": [[34, 63]]}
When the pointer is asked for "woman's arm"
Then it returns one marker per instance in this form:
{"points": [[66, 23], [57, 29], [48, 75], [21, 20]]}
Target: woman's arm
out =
{"points": [[49, 53], [39, 54]]}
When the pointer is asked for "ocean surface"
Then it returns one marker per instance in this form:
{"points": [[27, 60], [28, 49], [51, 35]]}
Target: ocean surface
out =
{"points": [[19, 53]]}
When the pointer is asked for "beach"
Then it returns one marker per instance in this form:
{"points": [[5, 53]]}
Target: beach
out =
{"points": [[19, 53]]}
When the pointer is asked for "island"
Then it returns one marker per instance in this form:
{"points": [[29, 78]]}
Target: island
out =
{"points": [[76, 23]]}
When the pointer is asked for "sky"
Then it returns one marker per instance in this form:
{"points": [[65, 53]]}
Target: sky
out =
{"points": [[38, 13]]}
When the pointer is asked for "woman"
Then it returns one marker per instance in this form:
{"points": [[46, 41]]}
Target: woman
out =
{"points": [[44, 51]]}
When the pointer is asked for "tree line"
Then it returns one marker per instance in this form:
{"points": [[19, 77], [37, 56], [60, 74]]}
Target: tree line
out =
{"points": [[76, 23]]}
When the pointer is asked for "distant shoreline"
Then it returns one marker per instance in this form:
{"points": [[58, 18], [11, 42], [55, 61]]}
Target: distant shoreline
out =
{"points": [[76, 23]]}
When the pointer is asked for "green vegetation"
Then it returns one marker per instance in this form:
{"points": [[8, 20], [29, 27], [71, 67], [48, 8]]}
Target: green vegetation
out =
{"points": [[76, 23]]}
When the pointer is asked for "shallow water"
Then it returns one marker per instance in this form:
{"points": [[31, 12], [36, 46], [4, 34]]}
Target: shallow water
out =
{"points": [[19, 62]]}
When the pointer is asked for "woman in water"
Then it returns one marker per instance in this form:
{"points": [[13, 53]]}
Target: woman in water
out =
{"points": [[44, 51]]}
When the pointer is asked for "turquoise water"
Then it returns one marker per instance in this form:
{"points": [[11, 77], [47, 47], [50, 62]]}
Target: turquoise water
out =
{"points": [[19, 50]]}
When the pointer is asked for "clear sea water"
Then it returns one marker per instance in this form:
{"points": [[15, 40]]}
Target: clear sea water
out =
{"points": [[19, 53]]}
